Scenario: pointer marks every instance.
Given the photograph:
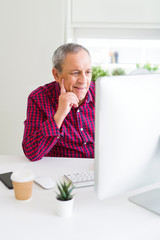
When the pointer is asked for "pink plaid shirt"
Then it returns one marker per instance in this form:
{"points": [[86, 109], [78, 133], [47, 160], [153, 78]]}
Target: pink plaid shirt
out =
{"points": [[42, 137]]}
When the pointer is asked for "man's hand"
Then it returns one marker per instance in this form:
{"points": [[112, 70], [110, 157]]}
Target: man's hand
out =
{"points": [[67, 100]]}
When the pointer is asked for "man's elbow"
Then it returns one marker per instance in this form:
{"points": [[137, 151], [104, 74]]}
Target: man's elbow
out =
{"points": [[33, 157]]}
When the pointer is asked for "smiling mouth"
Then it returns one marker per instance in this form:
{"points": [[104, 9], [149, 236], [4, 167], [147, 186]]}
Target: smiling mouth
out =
{"points": [[80, 88]]}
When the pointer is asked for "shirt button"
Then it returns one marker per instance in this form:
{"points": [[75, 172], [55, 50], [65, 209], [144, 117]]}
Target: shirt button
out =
{"points": [[58, 137], [81, 129], [84, 143], [78, 111]]}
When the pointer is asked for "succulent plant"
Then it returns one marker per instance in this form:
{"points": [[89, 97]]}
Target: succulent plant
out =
{"points": [[65, 190]]}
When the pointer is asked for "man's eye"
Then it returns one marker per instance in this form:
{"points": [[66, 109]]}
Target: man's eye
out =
{"points": [[75, 73], [89, 72]]}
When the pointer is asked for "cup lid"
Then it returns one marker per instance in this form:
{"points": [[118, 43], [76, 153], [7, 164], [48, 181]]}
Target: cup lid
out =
{"points": [[22, 176]]}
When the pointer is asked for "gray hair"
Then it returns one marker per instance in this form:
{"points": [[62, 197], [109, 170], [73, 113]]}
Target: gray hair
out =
{"points": [[61, 52]]}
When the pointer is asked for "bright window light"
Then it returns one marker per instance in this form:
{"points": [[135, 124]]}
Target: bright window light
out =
{"points": [[122, 51]]}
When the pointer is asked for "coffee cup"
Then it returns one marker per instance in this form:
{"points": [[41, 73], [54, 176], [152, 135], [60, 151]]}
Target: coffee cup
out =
{"points": [[22, 183]]}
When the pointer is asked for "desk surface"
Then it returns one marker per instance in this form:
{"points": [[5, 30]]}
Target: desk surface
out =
{"points": [[111, 219]]}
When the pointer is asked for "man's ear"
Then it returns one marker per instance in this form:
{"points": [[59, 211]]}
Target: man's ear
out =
{"points": [[56, 74]]}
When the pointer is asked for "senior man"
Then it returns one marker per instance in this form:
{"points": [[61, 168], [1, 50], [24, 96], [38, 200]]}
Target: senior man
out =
{"points": [[60, 115]]}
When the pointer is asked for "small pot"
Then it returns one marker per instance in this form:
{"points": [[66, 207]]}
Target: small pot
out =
{"points": [[64, 208]]}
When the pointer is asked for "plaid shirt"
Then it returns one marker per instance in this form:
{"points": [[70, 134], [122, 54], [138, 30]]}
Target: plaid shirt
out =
{"points": [[42, 137]]}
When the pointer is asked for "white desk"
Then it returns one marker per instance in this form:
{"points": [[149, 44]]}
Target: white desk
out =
{"points": [[112, 219]]}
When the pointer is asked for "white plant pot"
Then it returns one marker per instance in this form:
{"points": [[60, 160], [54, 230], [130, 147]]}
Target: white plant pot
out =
{"points": [[64, 208]]}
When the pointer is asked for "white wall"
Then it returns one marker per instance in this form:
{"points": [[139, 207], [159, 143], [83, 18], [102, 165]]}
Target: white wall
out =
{"points": [[30, 31], [116, 11], [118, 19]]}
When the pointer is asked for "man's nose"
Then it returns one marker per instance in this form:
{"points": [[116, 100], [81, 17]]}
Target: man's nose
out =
{"points": [[83, 77]]}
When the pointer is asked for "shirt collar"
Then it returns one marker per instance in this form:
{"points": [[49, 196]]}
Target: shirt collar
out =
{"points": [[88, 97], [57, 93]]}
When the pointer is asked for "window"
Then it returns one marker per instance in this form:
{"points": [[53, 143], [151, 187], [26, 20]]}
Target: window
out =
{"points": [[116, 36], [124, 52]]}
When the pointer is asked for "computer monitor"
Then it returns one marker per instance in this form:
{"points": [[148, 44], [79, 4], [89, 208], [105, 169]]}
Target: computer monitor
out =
{"points": [[127, 133]]}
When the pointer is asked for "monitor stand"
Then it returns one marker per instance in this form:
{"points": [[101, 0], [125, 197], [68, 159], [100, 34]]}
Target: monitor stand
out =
{"points": [[149, 200]]}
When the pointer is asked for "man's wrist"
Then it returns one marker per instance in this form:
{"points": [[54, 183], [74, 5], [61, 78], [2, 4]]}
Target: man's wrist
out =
{"points": [[58, 119]]}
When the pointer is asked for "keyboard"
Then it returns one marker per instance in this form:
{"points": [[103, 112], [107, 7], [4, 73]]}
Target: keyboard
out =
{"points": [[81, 179]]}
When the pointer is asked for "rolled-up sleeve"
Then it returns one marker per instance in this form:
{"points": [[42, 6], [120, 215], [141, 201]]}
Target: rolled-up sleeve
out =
{"points": [[40, 134]]}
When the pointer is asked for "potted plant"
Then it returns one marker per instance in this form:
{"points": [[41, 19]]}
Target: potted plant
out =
{"points": [[97, 72], [148, 66], [118, 71], [64, 199]]}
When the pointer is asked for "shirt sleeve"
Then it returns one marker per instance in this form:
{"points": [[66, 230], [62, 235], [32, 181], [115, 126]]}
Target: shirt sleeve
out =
{"points": [[40, 134]]}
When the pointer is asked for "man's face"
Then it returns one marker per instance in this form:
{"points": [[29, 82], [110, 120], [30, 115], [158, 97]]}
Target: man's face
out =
{"points": [[77, 73]]}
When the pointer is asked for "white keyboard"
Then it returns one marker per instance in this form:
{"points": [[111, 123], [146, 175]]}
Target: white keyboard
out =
{"points": [[81, 179]]}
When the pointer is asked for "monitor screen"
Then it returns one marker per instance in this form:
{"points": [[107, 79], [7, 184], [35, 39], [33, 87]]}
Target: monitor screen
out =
{"points": [[127, 133]]}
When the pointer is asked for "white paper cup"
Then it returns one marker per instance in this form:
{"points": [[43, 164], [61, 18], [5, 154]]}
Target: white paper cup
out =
{"points": [[22, 183]]}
